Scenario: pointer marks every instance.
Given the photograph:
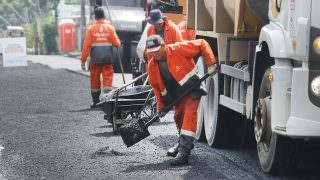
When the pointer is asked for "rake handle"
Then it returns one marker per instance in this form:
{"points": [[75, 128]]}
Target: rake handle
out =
{"points": [[168, 107]]}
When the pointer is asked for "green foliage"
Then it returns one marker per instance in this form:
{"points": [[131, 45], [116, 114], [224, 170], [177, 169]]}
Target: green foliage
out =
{"points": [[29, 34], [49, 30]]}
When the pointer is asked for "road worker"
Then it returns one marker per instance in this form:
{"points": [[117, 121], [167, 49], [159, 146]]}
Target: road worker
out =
{"points": [[100, 37], [171, 72], [163, 27], [187, 34]]}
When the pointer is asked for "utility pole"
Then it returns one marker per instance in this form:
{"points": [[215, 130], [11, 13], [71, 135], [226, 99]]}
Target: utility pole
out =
{"points": [[36, 30], [83, 22]]}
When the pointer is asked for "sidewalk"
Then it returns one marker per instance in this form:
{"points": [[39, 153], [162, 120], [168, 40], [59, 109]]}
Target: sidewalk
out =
{"points": [[72, 65]]}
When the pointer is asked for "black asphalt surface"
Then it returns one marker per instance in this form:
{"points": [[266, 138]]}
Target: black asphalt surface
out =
{"points": [[47, 132]]}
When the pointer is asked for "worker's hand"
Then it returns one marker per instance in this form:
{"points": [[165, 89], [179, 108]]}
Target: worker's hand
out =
{"points": [[212, 70], [162, 113], [83, 66]]}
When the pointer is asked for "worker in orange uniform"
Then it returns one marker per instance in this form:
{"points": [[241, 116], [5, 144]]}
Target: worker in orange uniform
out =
{"points": [[163, 27], [100, 37], [187, 34], [171, 72]]}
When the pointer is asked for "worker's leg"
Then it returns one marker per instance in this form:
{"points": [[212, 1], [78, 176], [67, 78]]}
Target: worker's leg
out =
{"points": [[178, 117], [188, 130], [107, 75], [95, 71]]}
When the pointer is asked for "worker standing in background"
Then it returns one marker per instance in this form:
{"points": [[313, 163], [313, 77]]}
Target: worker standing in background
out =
{"points": [[171, 72], [163, 27], [100, 37], [187, 34]]}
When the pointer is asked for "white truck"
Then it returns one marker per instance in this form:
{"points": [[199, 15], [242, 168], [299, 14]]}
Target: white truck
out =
{"points": [[268, 85]]}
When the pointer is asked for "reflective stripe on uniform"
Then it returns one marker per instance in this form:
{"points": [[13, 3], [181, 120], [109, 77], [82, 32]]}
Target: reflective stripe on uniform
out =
{"points": [[101, 44], [164, 92], [187, 76], [95, 90], [107, 88], [187, 133]]}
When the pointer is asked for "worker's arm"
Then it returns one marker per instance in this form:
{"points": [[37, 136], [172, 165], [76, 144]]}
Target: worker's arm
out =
{"points": [[155, 87], [115, 39], [86, 46], [190, 49], [150, 31]]}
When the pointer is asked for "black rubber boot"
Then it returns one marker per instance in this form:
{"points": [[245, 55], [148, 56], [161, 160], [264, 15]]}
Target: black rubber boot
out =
{"points": [[173, 151], [184, 149], [95, 99]]}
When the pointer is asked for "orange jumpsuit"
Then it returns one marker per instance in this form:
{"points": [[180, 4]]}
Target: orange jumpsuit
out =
{"points": [[171, 34], [182, 68], [100, 34], [187, 34]]}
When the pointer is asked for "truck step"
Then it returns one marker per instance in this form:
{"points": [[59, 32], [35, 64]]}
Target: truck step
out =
{"points": [[233, 104]]}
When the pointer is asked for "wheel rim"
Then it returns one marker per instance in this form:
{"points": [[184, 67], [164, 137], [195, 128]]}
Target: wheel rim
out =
{"points": [[202, 109], [260, 121], [200, 118]]}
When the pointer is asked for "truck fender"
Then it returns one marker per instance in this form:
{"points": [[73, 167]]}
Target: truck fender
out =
{"points": [[277, 39]]}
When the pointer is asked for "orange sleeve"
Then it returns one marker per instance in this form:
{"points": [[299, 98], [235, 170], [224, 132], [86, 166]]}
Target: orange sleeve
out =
{"points": [[190, 49], [155, 86], [86, 46], [176, 33], [115, 39]]}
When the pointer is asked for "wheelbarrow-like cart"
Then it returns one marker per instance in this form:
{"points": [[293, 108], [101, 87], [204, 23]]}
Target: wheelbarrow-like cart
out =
{"points": [[123, 105]]}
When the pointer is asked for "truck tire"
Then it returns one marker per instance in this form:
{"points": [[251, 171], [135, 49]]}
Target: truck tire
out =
{"points": [[201, 69], [277, 154], [224, 128]]}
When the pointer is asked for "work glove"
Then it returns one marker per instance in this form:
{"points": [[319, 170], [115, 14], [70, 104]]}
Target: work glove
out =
{"points": [[83, 66], [212, 69], [162, 113]]}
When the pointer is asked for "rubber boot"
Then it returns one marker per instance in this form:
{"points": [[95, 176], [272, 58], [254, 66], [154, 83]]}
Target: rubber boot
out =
{"points": [[95, 99], [184, 150], [173, 151]]}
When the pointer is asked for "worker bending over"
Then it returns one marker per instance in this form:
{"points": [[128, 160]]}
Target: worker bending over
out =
{"points": [[100, 37], [171, 72]]}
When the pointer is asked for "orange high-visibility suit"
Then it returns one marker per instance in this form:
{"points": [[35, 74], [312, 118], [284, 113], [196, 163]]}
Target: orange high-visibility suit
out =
{"points": [[171, 34], [182, 68], [100, 36], [187, 34]]}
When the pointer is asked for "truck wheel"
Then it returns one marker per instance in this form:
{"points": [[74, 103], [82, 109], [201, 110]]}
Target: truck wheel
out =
{"points": [[277, 154], [223, 127]]}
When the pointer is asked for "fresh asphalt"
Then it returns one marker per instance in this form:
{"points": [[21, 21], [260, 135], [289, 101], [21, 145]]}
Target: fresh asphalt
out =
{"points": [[48, 132]]}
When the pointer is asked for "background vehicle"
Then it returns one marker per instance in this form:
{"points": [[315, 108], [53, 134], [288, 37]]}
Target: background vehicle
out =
{"points": [[14, 31], [268, 83], [127, 17]]}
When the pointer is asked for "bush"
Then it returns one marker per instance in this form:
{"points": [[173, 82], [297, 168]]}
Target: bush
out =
{"points": [[49, 37]]}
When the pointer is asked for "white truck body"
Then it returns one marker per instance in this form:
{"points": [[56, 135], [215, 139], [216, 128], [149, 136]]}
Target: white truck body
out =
{"points": [[271, 84]]}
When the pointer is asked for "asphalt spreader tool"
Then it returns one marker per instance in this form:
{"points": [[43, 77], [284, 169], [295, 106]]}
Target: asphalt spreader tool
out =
{"points": [[137, 130]]}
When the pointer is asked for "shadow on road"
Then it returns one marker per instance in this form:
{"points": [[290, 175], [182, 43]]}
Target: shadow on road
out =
{"points": [[164, 142], [196, 169], [165, 165], [106, 126], [85, 110], [104, 134], [162, 123]]}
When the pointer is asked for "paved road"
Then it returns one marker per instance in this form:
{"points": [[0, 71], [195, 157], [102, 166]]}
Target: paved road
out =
{"points": [[46, 132]]}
